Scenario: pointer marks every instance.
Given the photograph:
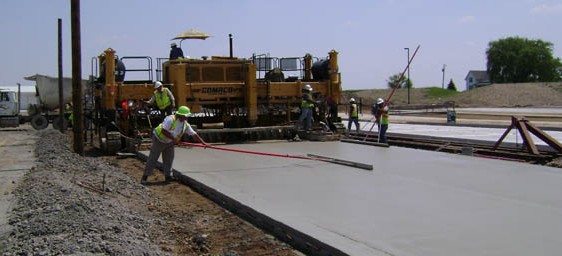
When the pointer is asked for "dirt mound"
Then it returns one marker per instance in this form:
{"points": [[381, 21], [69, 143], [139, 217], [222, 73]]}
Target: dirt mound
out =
{"points": [[512, 95], [495, 95], [74, 205]]}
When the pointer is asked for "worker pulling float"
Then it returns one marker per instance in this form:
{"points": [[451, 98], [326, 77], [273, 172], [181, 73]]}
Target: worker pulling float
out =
{"points": [[230, 98]]}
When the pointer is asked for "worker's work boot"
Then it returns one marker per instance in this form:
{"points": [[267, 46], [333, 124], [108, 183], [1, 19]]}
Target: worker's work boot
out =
{"points": [[143, 180], [297, 138]]}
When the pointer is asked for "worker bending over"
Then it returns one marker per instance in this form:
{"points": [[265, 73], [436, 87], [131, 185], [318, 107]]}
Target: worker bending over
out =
{"points": [[163, 98], [164, 137]]}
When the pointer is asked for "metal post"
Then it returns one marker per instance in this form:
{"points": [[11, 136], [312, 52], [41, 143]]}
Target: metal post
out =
{"points": [[19, 98], [230, 41], [408, 81], [61, 95], [77, 110], [443, 81]]}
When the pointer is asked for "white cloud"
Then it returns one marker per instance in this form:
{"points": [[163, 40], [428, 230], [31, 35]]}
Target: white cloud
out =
{"points": [[547, 9], [467, 19]]}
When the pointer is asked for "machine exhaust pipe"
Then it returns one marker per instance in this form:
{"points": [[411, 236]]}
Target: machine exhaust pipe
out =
{"points": [[230, 41]]}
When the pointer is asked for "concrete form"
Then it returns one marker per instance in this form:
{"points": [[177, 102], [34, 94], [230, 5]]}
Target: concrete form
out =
{"points": [[413, 202]]}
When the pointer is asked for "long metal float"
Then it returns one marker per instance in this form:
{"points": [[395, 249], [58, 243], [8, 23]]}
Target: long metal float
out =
{"points": [[309, 157]]}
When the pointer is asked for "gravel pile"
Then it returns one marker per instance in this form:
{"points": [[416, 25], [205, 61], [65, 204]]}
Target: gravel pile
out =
{"points": [[73, 205]]}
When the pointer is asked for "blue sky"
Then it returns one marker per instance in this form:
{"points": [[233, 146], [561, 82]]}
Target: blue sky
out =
{"points": [[369, 35]]}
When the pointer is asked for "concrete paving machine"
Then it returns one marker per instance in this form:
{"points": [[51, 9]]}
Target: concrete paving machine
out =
{"points": [[230, 98]]}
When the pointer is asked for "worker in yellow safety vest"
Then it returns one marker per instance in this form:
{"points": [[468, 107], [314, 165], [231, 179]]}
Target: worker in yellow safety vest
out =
{"points": [[353, 115], [163, 98], [307, 104], [164, 137], [381, 117]]}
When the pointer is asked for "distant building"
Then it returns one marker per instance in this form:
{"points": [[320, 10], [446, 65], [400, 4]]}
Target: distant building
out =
{"points": [[477, 78]]}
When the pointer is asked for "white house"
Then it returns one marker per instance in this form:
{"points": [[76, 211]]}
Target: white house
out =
{"points": [[476, 78]]}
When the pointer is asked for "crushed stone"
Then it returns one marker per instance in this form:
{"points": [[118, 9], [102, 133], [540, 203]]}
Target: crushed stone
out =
{"points": [[73, 205]]}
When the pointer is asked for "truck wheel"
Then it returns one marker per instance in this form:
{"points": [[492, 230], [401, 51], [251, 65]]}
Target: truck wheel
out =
{"points": [[39, 122], [58, 123]]}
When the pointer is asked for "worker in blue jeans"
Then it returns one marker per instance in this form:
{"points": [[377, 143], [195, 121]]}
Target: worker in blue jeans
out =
{"points": [[307, 104], [382, 119], [353, 115]]}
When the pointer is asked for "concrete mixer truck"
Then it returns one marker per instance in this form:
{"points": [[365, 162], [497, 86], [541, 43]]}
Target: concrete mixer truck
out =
{"points": [[46, 108]]}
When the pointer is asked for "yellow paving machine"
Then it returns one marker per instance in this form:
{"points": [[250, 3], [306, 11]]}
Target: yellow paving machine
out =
{"points": [[230, 98]]}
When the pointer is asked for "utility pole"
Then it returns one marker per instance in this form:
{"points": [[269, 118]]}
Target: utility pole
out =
{"points": [[443, 81], [408, 78], [61, 93], [77, 110]]}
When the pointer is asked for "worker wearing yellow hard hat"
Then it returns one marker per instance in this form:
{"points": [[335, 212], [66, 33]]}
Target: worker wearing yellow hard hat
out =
{"points": [[164, 137]]}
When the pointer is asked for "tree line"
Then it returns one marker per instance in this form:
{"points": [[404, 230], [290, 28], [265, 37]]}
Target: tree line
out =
{"points": [[511, 60]]}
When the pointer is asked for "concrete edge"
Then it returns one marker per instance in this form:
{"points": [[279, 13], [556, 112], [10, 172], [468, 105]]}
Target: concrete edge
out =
{"points": [[298, 240]]}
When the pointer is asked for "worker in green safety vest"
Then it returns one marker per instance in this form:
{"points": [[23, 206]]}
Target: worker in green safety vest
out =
{"points": [[163, 98], [164, 137], [353, 115], [381, 118], [307, 104]]}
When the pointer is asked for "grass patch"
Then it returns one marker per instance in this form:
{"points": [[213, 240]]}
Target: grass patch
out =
{"points": [[436, 92]]}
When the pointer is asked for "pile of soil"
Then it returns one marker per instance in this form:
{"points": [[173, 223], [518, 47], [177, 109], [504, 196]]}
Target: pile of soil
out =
{"points": [[77, 205], [495, 95]]}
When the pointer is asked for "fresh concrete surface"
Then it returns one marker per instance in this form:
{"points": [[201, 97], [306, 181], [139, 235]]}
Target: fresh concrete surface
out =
{"points": [[463, 132], [413, 202], [17, 156]]}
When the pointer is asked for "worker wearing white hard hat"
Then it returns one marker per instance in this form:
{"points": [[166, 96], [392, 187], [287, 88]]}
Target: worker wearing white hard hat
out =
{"points": [[307, 105], [175, 52], [381, 118], [164, 137], [353, 115], [163, 99]]}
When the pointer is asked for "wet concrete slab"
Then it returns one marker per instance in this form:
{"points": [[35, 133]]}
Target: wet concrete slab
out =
{"points": [[413, 202], [461, 132]]}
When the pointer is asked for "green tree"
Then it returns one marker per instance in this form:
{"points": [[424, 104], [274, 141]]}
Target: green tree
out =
{"points": [[393, 80], [451, 85], [519, 60]]}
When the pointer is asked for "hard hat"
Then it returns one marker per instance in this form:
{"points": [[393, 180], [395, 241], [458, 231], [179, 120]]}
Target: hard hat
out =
{"points": [[308, 87], [173, 44], [184, 111], [157, 84], [380, 101], [352, 100]]}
